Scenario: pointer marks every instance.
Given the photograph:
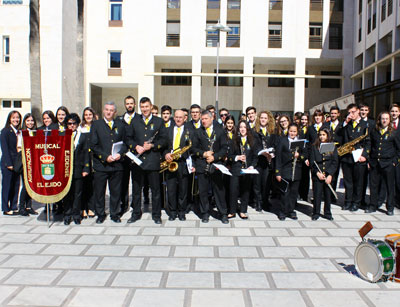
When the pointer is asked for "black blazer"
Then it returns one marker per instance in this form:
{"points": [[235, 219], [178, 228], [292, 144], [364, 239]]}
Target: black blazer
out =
{"points": [[8, 141], [122, 118], [327, 162], [101, 141], [336, 133], [265, 141], [202, 143], [81, 155], [284, 160], [235, 150], [139, 133], [349, 133], [385, 149]]}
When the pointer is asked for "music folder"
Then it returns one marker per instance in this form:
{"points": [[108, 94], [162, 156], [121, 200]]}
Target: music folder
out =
{"points": [[326, 147], [283, 185], [297, 144]]}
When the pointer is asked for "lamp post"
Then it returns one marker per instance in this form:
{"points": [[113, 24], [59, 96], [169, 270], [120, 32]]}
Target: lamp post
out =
{"points": [[217, 28]]}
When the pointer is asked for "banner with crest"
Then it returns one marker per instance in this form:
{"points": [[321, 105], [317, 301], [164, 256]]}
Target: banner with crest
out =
{"points": [[47, 158]]}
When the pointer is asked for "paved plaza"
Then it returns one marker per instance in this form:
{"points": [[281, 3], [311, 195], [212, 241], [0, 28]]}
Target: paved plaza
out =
{"points": [[257, 262]]}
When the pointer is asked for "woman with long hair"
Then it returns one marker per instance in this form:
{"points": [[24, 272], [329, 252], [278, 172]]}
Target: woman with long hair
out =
{"points": [[283, 125], [88, 116], [10, 178], [49, 121], [322, 175], [61, 114], [304, 132], [242, 155]]}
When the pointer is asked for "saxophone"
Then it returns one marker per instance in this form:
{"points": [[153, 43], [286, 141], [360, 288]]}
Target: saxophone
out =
{"points": [[173, 165], [349, 146]]}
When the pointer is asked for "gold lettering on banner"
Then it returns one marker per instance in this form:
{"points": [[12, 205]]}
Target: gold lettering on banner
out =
{"points": [[48, 146], [49, 184], [29, 163], [67, 163]]}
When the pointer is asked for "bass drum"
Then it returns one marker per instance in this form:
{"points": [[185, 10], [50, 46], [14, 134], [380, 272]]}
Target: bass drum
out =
{"points": [[374, 260]]}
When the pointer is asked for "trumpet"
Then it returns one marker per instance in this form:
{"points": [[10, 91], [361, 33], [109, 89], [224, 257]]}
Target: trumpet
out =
{"points": [[173, 165]]}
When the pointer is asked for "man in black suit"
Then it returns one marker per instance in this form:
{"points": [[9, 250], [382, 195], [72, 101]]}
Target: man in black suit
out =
{"points": [[107, 166], [166, 112], [126, 119], [210, 146], [195, 113], [354, 171], [147, 139], [179, 136], [251, 113]]}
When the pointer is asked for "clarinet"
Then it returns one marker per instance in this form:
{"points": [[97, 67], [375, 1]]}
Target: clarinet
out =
{"points": [[294, 163], [242, 152], [211, 149], [150, 140]]}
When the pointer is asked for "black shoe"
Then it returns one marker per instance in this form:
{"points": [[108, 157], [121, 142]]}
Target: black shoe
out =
{"points": [[77, 221], [171, 218], [353, 208], [243, 216], [369, 209], [133, 219], [315, 217], [258, 208], [116, 219], [281, 217], [390, 212], [329, 217], [31, 211], [182, 218], [205, 219], [100, 220], [224, 219], [23, 212], [346, 206], [157, 220], [292, 216], [231, 215], [67, 220]]}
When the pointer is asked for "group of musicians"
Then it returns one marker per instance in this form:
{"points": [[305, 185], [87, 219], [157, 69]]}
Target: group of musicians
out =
{"points": [[192, 160]]}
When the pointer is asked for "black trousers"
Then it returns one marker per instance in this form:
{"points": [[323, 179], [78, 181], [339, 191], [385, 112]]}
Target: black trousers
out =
{"points": [[353, 176], [126, 176], [153, 178], [114, 183], [9, 190], [334, 182], [319, 188], [88, 199], [73, 201], [239, 185], [25, 201], [387, 175], [177, 189], [215, 179], [289, 198], [304, 185], [262, 186]]}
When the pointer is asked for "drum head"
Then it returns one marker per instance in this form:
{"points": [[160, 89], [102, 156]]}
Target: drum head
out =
{"points": [[368, 262]]}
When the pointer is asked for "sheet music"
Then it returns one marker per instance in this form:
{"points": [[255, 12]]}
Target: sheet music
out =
{"points": [[116, 148], [249, 171], [189, 164], [134, 158], [357, 154], [267, 150], [222, 168]]}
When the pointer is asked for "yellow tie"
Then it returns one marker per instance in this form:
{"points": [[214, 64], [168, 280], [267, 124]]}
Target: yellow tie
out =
{"points": [[146, 121], [354, 124], [285, 132], [61, 128], [110, 125], [382, 131], [129, 120], [304, 130], [317, 128], [197, 125], [208, 132], [177, 141], [230, 135], [264, 130], [243, 141], [166, 125], [333, 126]]}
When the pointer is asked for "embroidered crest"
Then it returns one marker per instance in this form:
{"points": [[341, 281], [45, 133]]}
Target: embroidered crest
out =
{"points": [[152, 127]]}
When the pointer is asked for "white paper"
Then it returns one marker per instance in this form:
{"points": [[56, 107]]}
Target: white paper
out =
{"points": [[134, 158], [267, 150], [116, 148], [357, 154], [189, 164], [249, 171], [222, 168]]}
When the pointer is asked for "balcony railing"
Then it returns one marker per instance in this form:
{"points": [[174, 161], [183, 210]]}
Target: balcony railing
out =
{"points": [[316, 5], [275, 5], [315, 42], [233, 41], [172, 40], [275, 42]]}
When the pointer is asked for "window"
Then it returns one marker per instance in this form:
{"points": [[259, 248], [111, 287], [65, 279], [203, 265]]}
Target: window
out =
{"points": [[173, 30], [213, 4], [115, 59], [330, 83], [233, 37], [369, 26], [335, 36], [281, 82], [374, 16], [229, 81], [233, 4], [383, 10], [176, 80], [6, 49], [360, 3], [13, 1], [6, 103], [212, 36], [390, 7], [337, 5], [315, 39], [275, 4], [17, 104], [275, 35], [173, 4], [360, 28], [115, 9]]}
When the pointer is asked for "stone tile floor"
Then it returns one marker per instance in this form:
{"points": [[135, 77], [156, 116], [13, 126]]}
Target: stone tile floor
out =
{"points": [[258, 262]]}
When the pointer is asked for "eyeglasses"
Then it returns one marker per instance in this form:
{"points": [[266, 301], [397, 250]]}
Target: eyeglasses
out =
{"points": [[283, 121], [71, 123], [224, 115]]}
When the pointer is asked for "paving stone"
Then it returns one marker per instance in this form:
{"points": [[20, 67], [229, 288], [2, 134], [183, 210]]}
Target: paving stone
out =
{"points": [[150, 251], [64, 249], [14, 220], [194, 251], [136, 240], [360, 216], [347, 281], [180, 224], [95, 239], [30, 277], [287, 224], [216, 241], [276, 298], [168, 264], [265, 265], [232, 232], [22, 248], [152, 298], [41, 296], [326, 252], [47, 230], [197, 232], [120, 263], [244, 280], [15, 229], [346, 232], [17, 238], [383, 298], [282, 252], [336, 298], [145, 223], [271, 232], [85, 278], [56, 238], [122, 231], [4, 273], [161, 231], [294, 281], [354, 225], [313, 265], [213, 223], [216, 265], [175, 240], [256, 241], [26, 261], [190, 280], [73, 262], [107, 250], [5, 292], [237, 251], [249, 224], [214, 298], [99, 297], [86, 230], [299, 232], [137, 279], [319, 224], [296, 241], [2, 257], [336, 241]]}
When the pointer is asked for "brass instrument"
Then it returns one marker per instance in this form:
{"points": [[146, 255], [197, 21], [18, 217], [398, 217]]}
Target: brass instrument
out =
{"points": [[173, 165], [349, 146]]}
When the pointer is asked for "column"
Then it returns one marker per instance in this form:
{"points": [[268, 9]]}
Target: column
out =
{"points": [[196, 80], [299, 85], [247, 83]]}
